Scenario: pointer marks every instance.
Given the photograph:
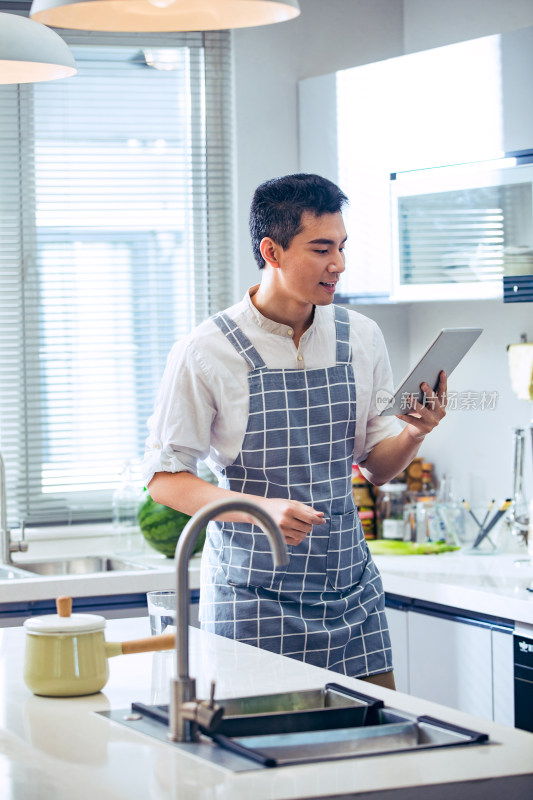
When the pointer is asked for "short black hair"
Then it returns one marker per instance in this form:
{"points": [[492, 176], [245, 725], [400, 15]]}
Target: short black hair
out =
{"points": [[278, 205]]}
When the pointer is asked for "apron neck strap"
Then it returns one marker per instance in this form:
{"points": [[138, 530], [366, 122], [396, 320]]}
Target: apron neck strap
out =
{"points": [[239, 340], [245, 348], [342, 327]]}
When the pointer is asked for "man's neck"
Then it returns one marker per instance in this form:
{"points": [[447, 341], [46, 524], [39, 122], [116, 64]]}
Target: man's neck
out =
{"points": [[297, 316]]}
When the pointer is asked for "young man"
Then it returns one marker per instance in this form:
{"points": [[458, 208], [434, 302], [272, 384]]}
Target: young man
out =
{"points": [[277, 395]]}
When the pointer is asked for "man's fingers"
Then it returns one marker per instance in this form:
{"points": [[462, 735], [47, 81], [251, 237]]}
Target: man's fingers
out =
{"points": [[425, 417], [295, 519], [436, 399], [296, 529], [308, 515], [433, 403], [293, 536], [295, 541]]}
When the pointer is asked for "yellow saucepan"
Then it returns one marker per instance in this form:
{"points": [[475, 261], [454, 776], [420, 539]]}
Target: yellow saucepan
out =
{"points": [[66, 654]]}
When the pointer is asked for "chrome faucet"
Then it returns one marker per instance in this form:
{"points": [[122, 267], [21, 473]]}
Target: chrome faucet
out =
{"points": [[518, 517], [186, 711], [7, 546]]}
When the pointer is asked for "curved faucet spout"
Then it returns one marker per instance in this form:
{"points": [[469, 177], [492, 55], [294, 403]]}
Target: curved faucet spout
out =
{"points": [[184, 552], [183, 685]]}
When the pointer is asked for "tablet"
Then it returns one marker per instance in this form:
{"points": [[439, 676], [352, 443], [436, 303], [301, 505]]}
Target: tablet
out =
{"points": [[443, 354]]}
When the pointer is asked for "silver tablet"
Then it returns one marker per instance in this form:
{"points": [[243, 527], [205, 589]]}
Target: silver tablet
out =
{"points": [[443, 354]]}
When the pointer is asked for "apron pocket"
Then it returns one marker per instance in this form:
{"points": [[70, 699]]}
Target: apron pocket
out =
{"points": [[346, 558], [247, 559]]}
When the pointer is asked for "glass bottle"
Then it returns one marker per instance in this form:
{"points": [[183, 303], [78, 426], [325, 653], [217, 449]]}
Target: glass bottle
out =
{"points": [[126, 501], [428, 484], [390, 509], [450, 515]]}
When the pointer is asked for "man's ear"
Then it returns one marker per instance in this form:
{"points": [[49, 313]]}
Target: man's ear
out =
{"points": [[270, 251]]}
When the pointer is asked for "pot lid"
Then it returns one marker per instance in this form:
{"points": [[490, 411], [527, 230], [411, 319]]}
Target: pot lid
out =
{"points": [[53, 623], [64, 621]]}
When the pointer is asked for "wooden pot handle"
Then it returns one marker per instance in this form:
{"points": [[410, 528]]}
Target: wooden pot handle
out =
{"points": [[164, 641], [64, 606]]}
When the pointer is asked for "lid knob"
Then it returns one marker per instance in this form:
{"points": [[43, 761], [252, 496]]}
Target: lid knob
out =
{"points": [[64, 606]]}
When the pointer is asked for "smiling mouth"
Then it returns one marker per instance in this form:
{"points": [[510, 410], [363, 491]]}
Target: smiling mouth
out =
{"points": [[328, 285]]}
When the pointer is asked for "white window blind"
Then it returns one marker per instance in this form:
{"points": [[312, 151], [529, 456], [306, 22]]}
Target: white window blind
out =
{"points": [[115, 230]]}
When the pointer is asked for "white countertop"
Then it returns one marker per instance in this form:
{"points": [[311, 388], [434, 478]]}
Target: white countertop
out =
{"points": [[161, 574], [492, 585], [484, 584], [58, 749]]}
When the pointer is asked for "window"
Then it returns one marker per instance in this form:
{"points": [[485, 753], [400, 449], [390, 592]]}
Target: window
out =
{"points": [[115, 227]]}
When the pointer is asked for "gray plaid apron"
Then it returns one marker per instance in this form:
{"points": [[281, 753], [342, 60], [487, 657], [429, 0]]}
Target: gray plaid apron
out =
{"points": [[326, 607]]}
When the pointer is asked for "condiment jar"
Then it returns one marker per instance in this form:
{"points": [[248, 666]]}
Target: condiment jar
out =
{"points": [[390, 508]]}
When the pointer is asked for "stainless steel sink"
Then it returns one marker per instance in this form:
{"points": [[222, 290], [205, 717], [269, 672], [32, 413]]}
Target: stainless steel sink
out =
{"points": [[391, 732], [334, 706], [302, 727], [330, 697], [288, 712], [81, 565], [9, 573]]}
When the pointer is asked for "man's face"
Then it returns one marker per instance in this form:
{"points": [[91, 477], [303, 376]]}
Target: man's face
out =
{"points": [[312, 264]]}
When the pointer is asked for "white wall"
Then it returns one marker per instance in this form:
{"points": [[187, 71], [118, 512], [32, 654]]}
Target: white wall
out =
{"points": [[268, 62], [475, 446], [432, 23], [336, 34], [327, 36]]}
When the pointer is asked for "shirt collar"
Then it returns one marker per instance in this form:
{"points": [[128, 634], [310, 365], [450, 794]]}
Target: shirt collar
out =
{"points": [[278, 328]]}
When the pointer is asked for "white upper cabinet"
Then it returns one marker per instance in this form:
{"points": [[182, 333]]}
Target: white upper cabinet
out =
{"points": [[461, 103], [516, 89]]}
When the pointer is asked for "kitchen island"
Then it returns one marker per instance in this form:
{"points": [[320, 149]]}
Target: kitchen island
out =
{"points": [[60, 749], [452, 616]]}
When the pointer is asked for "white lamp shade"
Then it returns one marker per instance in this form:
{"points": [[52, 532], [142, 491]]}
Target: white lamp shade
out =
{"points": [[31, 52], [162, 15]]}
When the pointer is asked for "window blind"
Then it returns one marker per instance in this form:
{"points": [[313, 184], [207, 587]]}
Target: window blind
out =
{"points": [[115, 230]]}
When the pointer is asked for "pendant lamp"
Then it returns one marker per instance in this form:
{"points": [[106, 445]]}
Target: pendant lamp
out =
{"points": [[31, 52], [161, 15]]}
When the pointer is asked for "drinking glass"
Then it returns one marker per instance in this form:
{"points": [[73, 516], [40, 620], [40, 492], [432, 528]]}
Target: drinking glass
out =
{"points": [[161, 610]]}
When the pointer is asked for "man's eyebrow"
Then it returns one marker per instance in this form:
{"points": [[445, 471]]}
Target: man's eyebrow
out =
{"points": [[324, 241]]}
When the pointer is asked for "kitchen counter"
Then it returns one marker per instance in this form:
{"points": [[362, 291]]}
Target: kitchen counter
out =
{"points": [[491, 585], [97, 541], [488, 585], [59, 749]]}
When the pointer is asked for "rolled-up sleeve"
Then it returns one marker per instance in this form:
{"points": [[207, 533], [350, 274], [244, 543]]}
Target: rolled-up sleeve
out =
{"points": [[179, 429]]}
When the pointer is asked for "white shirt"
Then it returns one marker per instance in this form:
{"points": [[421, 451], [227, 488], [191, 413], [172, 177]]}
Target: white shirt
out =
{"points": [[201, 410]]}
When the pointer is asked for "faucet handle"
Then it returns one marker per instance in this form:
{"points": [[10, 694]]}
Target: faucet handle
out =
{"points": [[212, 694], [206, 715], [22, 545]]}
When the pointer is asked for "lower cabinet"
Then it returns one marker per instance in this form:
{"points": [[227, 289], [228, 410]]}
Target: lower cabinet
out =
{"points": [[460, 662], [503, 678], [450, 662], [108, 606]]}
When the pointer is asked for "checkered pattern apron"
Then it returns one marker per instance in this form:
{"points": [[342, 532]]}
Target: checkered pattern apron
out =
{"points": [[326, 607]]}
